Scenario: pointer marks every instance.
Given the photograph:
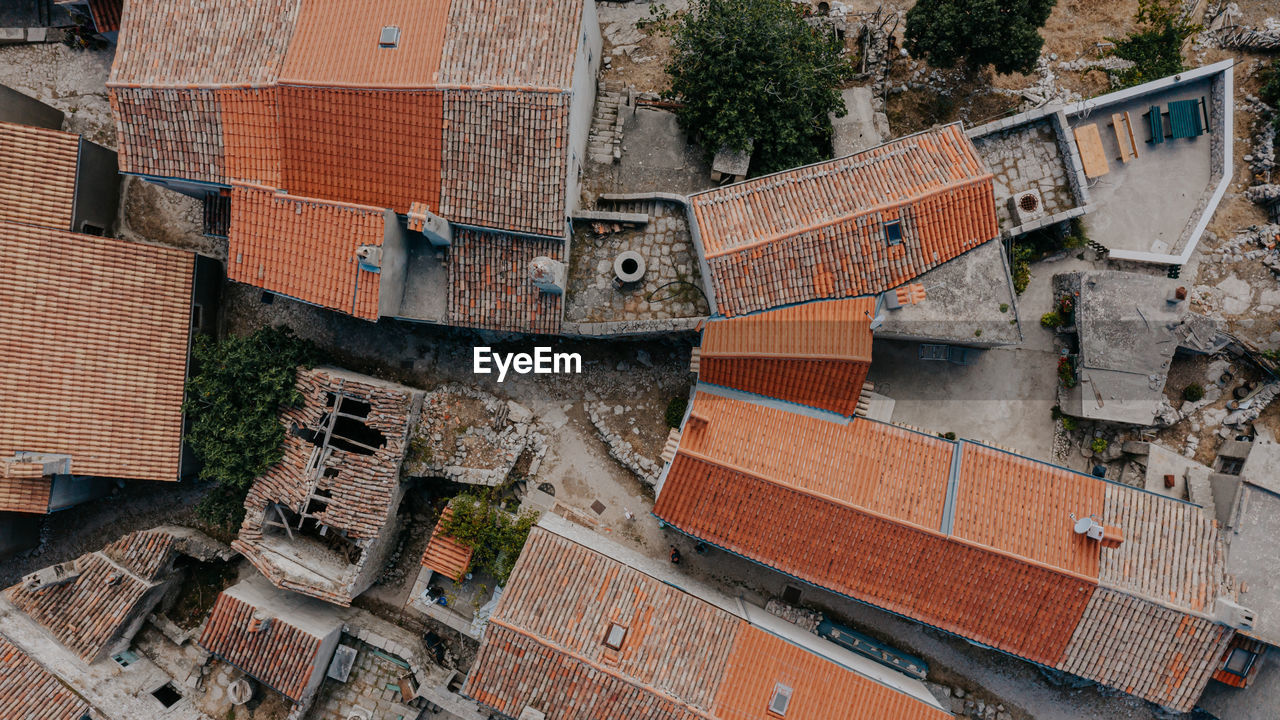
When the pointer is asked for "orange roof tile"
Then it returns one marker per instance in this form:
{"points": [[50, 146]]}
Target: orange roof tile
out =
{"points": [[884, 469], [816, 232], [681, 657], [814, 354], [976, 541], [490, 287], [169, 132], [506, 44], [505, 160], [1154, 652], [989, 597], [37, 175], [298, 94], [1025, 507], [282, 656], [202, 43], [24, 488], [366, 147], [106, 14], [820, 689], [304, 248], [444, 554], [336, 43], [93, 351], [90, 613], [29, 692]]}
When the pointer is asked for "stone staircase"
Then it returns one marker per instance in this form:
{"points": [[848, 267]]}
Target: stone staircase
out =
{"points": [[604, 143]]}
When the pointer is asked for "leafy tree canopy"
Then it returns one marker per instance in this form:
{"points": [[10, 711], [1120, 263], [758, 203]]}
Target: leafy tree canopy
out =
{"points": [[753, 74], [495, 536], [1156, 47], [1002, 33], [234, 395]]}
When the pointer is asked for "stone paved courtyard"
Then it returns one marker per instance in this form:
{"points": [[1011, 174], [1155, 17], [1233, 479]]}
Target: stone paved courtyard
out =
{"points": [[1027, 157], [671, 287], [372, 685]]}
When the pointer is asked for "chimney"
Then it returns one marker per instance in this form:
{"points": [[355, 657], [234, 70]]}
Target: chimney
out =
{"points": [[435, 228]]}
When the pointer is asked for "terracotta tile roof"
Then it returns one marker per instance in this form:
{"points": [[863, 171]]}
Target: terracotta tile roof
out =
{"points": [[282, 656], [146, 553], [814, 354], [444, 554], [884, 469], [304, 248], [1154, 652], [93, 351], [1183, 568], [90, 613], [1024, 507], [681, 657], [37, 175], [29, 692], [506, 160], [298, 94], [24, 488], [169, 132], [366, 147], [995, 599], [979, 540], [490, 286], [820, 689], [106, 14], [505, 44], [336, 43], [203, 43], [816, 231], [362, 490]]}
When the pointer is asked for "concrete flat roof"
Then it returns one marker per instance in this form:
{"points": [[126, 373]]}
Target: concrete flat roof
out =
{"points": [[1253, 559]]}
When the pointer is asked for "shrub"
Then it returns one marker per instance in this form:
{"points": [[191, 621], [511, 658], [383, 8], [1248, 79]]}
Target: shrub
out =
{"points": [[1069, 423], [1001, 33], [1099, 445], [1193, 392], [495, 536], [1022, 255], [1270, 91], [1155, 47], [1066, 372], [1051, 320], [674, 414], [234, 395], [1004, 307], [753, 73]]}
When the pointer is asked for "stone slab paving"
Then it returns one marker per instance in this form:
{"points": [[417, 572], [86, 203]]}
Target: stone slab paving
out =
{"points": [[1023, 158], [671, 284]]}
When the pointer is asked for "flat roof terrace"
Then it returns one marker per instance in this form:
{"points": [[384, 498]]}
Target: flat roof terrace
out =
{"points": [[1154, 207]]}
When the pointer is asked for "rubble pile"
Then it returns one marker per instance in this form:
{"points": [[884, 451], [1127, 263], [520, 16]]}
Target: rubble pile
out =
{"points": [[620, 448], [804, 618], [472, 437]]}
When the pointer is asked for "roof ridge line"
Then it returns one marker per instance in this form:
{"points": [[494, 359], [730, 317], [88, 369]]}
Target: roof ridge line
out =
{"points": [[947, 128], [814, 227], [617, 675], [897, 521]]}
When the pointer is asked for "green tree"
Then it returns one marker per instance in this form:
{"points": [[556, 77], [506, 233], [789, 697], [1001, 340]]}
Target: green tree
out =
{"points": [[753, 74], [1155, 48], [495, 536], [234, 395], [1002, 33], [1270, 90]]}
